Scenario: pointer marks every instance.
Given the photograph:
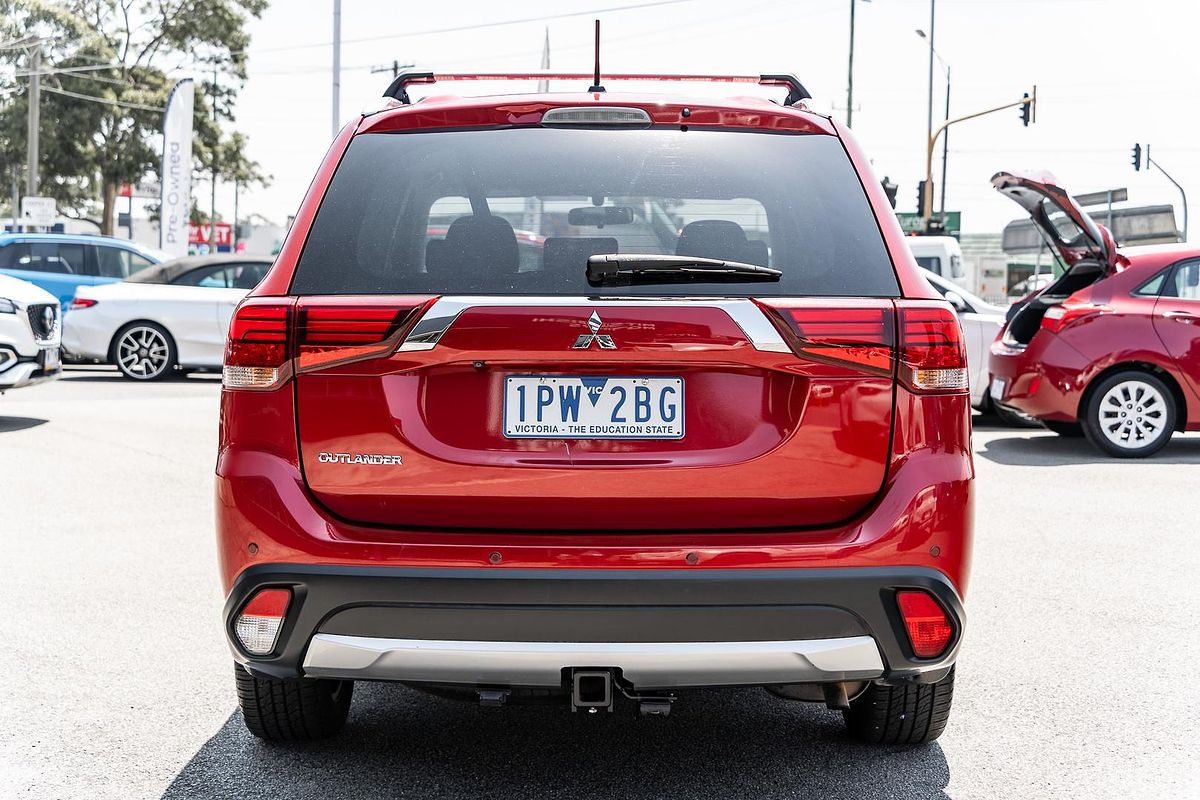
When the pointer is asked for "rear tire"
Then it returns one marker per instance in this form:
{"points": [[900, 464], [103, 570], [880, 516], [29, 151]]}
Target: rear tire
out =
{"points": [[910, 714], [1069, 430], [295, 710], [1129, 414]]}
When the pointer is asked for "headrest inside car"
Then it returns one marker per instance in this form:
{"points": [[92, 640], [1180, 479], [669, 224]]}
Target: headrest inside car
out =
{"points": [[721, 239], [474, 246]]}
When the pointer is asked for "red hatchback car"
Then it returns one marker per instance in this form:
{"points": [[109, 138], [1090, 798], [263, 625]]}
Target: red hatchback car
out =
{"points": [[1110, 350], [716, 434]]}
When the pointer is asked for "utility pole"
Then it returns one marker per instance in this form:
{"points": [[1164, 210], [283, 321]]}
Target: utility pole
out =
{"points": [[945, 151], [337, 64], [850, 70], [395, 68], [929, 116], [35, 119]]}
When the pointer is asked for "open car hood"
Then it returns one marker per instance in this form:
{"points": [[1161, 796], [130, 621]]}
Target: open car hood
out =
{"points": [[1061, 220]]}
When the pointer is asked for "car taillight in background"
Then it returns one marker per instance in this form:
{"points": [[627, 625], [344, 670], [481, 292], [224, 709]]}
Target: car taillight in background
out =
{"points": [[81, 302], [1058, 317], [266, 334], [929, 628], [933, 358], [258, 625]]}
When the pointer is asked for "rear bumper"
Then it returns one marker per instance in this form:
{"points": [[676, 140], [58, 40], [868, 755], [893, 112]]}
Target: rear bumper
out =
{"points": [[1043, 380], [658, 628]]}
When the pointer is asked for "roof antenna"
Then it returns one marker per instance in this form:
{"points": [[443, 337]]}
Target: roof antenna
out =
{"points": [[596, 87]]}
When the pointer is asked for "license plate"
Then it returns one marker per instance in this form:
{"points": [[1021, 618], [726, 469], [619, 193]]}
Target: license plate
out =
{"points": [[997, 389], [570, 407], [50, 359]]}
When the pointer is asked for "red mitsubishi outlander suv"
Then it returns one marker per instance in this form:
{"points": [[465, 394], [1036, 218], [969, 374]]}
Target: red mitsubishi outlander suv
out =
{"points": [[1110, 350], [715, 433]]}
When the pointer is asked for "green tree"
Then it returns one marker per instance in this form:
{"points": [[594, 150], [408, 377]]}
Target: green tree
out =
{"points": [[126, 55]]}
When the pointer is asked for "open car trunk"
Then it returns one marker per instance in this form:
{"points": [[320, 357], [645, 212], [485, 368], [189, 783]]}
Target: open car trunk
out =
{"points": [[1087, 249]]}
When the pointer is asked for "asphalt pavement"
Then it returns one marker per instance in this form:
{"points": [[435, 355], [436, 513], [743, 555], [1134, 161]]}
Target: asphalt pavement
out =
{"points": [[1075, 680]]}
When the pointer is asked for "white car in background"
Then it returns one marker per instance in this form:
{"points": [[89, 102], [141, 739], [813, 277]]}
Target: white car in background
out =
{"points": [[981, 322], [29, 334], [172, 315]]}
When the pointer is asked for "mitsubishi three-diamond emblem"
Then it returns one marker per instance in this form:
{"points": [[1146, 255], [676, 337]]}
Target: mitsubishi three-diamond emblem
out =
{"points": [[585, 339]]}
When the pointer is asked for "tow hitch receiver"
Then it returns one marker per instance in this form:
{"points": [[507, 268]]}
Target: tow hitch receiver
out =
{"points": [[591, 689]]}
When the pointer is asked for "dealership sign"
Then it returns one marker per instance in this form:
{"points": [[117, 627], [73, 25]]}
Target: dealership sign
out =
{"points": [[219, 235], [177, 170]]}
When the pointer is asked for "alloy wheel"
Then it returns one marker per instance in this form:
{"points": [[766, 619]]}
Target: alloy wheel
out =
{"points": [[143, 353], [1132, 414]]}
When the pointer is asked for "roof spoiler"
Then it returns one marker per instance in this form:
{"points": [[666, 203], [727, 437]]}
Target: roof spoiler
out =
{"points": [[398, 90]]}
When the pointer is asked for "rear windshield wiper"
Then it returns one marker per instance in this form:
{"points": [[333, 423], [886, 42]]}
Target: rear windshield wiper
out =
{"points": [[627, 269]]}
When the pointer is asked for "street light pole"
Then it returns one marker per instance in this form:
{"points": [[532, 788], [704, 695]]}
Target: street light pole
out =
{"points": [[945, 152], [929, 115], [337, 64]]}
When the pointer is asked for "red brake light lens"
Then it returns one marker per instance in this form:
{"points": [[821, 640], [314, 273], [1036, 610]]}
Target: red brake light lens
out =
{"points": [[933, 358], [335, 331], [81, 302], [257, 349], [929, 629], [1058, 317], [860, 335]]}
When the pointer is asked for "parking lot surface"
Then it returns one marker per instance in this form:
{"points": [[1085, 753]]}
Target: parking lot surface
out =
{"points": [[1075, 679]]}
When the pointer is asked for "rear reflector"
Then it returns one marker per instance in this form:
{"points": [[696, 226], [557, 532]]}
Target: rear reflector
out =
{"points": [[257, 626], [929, 629], [859, 335], [257, 348], [933, 358]]}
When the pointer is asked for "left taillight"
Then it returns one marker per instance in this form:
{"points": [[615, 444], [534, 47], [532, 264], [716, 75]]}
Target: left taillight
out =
{"points": [[81, 302], [257, 351], [258, 623]]}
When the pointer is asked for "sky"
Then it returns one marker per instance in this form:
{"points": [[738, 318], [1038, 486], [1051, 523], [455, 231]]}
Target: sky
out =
{"points": [[1108, 74]]}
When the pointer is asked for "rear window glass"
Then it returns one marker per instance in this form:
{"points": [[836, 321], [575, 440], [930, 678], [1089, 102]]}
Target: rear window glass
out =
{"points": [[519, 212]]}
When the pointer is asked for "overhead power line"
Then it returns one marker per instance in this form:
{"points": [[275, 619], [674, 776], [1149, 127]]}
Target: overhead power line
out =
{"points": [[109, 101]]}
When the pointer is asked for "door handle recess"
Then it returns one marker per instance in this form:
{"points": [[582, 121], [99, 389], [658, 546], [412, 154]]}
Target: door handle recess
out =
{"points": [[1182, 316]]}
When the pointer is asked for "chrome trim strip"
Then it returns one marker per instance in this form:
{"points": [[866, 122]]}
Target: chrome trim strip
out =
{"points": [[426, 334], [645, 664]]}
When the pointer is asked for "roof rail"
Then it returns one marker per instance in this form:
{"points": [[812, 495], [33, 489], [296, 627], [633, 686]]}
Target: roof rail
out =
{"points": [[398, 90]]}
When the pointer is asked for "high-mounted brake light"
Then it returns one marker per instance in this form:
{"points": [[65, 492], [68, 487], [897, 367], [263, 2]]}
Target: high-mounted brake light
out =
{"points": [[256, 353], [81, 302], [257, 626], [933, 358], [929, 628], [1058, 317], [859, 334]]}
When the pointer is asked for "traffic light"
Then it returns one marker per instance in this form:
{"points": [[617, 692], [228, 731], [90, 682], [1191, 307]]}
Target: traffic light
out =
{"points": [[1026, 108], [1137, 158], [890, 190], [921, 197]]}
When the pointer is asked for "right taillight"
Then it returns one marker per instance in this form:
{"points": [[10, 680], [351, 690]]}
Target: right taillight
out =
{"points": [[928, 626], [256, 352], [932, 356]]}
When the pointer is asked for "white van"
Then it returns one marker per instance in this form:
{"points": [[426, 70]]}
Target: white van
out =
{"points": [[942, 256]]}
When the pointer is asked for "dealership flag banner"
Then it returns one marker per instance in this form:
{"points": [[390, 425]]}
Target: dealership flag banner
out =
{"points": [[177, 170]]}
